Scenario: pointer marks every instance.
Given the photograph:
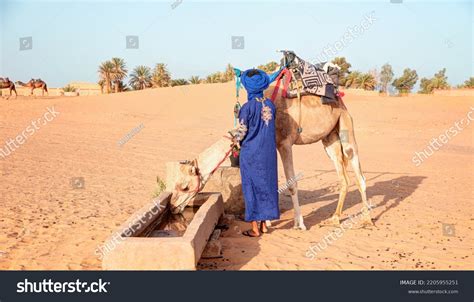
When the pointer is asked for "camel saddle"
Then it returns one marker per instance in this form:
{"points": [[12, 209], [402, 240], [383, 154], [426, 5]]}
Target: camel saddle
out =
{"points": [[321, 79]]}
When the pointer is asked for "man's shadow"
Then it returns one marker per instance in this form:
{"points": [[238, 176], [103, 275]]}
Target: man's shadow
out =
{"points": [[393, 191]]}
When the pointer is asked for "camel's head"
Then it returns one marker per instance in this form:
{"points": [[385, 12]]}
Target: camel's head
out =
{"points": [[187, 185], [289, 60]]}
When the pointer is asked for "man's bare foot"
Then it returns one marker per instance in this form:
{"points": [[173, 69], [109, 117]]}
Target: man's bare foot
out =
{"points": [[263, 227], [251, 233]]}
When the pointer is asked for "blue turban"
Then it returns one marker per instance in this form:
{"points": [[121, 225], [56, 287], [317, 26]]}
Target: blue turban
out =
{"points": [[258, 82]]}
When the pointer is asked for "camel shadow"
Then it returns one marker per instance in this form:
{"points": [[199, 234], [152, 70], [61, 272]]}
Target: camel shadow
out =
{"points": [[393, 191]]}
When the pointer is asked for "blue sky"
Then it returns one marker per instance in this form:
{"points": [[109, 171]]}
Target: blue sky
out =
{"points": [[71, 38]]}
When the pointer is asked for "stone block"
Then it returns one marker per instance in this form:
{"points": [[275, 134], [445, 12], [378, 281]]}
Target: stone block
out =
{"points": [[227, 181], [158, 251]]}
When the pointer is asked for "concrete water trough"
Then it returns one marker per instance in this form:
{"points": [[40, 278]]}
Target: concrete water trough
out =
{"points": [[155, 239]]}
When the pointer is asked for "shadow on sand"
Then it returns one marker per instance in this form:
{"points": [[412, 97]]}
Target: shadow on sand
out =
{"points": [[393, 192]]}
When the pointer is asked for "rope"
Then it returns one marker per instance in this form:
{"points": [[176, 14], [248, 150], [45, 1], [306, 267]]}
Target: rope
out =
{"points": [[237, 105], [285, 72]]}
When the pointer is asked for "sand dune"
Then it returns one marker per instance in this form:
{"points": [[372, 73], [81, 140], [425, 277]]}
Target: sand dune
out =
{"points": [[46, 223]]}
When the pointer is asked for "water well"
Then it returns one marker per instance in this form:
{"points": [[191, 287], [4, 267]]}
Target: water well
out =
{"points": [[154, 239]]}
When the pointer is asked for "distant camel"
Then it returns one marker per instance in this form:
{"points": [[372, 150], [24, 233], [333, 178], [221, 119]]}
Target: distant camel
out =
{"points": [[6, 83], [33, 84]]}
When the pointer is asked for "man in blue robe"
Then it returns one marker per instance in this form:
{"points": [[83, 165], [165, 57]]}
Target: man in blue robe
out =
{"points": [[258, 156]]}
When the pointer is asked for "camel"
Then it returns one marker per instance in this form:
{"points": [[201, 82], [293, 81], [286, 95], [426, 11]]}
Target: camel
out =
{"points": [[297, 123], [33, 84], [6, 83]]}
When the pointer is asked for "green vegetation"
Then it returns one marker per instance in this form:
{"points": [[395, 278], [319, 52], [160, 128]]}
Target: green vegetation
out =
{"points": [[468, 83], [344, 65], [160, 187], [161, 76], [386, 76], [195, 80], [179, 82], [112, 75], [119, 73], [269, 67], [69, 88], [405, 83], [141, 77], [439, 81]]}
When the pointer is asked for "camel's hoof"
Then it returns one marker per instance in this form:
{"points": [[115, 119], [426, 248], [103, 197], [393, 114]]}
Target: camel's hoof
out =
{"points": [[367, 223], [333, 221], [301, 227]]}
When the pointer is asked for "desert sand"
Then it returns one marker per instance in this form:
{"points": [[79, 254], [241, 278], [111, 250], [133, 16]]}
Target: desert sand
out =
{"points": [[423, 214]]}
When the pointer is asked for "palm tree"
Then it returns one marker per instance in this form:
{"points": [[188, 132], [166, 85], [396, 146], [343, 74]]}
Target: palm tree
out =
{"points": [[469, 83], [343, 73], [140, 78], [352, 80], [105, 73], [101, 84], [214, 77], [179, 82], [194, 80], [161, 76], [269, 67], [366, 81], [119, 72], [228, 74]]}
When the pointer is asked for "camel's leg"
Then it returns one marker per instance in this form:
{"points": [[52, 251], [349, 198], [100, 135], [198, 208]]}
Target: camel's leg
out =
{"points": [[333, 148], [351, 154], [284, 148]]}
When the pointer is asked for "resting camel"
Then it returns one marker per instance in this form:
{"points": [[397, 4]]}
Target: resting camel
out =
{"points": [[33, 84], [329, 123], [6, 83]]}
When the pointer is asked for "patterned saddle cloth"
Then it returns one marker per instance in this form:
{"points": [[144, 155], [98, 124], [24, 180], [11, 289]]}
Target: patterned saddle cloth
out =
{"points": [[315, 80]]}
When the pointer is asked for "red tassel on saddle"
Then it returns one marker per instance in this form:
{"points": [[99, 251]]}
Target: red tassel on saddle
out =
{"points": [[285, 72]]}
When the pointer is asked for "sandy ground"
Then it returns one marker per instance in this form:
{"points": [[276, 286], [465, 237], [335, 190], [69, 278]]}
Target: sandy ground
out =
{"points": [[46, 222]]}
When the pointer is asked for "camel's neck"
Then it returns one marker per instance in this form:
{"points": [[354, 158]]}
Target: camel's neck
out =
{"points": [[213, 157], [22, 84]]}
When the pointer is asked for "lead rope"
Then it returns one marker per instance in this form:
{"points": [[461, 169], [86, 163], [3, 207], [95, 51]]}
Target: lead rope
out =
{"points": [[298, 93], [237, 105]]}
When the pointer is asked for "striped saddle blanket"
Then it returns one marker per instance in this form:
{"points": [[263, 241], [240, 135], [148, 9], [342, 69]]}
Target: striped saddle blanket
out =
{"points": [[317, 79]]}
